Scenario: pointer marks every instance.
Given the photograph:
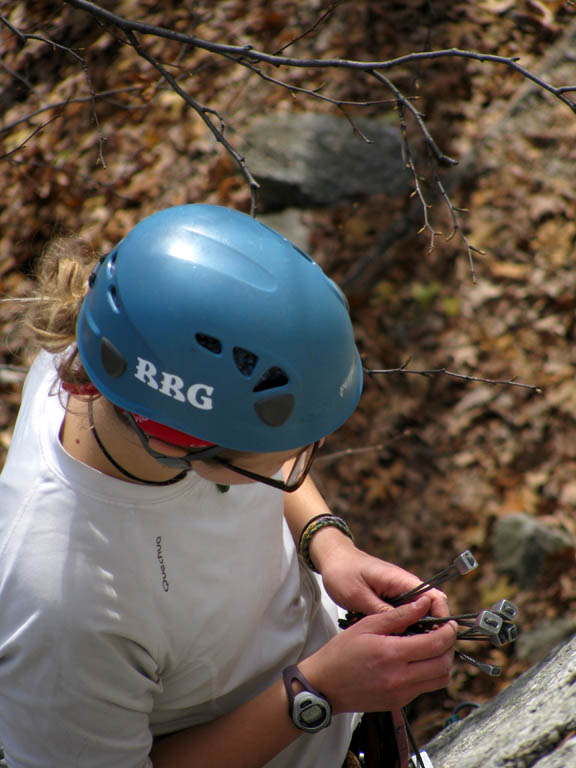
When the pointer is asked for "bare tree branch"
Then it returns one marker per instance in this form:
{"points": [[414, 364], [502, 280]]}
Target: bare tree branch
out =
{"points": [[406, 104], [315, 93], [417, 192], [444, 371], [325, 458], [251, 59], [456, 227], [66, 102], [132, 32], [23, 37], [203, 112], [326, 15], [27, 139], [247, 51], [89, 180], [12, 374]]}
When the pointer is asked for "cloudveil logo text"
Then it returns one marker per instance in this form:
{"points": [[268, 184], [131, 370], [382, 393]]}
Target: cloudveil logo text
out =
{"points": [[160, 558]]}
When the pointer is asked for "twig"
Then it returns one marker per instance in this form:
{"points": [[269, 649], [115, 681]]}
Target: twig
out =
{"points": [[409, 162], [315, 93], [241, 52], [203, 112], [456, 227], [61, 104], [439, 157], [405, 103], [27, 139], [252, 59], [101, 137], [444, 371], [24, 37], [247, 53], [326, 15], [323, 458], [12, 374], [89, 180], [18, 76]]}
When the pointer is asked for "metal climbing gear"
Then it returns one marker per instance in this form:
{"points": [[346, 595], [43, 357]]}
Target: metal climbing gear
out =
{"points": [[494, 625]]}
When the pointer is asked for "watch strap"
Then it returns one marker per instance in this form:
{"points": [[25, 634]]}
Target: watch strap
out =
{"points": [[293, 673], [290, 674]]}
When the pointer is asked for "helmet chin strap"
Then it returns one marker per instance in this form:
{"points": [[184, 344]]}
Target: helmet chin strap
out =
{"points": [[118, 466], [172, 462]]}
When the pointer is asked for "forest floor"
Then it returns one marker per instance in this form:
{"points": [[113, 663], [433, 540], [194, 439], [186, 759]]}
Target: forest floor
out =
{"points": [[429, 463]]}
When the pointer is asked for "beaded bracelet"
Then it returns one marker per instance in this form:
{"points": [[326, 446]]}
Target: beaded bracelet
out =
{"points": [[312, 527]]}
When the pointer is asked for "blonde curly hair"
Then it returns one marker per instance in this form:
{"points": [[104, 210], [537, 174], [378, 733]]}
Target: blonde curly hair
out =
{"points": [[62, 274]]}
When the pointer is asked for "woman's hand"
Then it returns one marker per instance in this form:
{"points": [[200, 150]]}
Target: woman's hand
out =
{"points": [[370, 667], [360, 582], [354, 580]]}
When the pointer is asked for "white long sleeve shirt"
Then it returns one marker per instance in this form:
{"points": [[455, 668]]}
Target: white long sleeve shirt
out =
{"points": [[130, 611]]}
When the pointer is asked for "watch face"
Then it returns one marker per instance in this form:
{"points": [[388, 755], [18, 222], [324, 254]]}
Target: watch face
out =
{"points": [[312, 715], [312, 712]]}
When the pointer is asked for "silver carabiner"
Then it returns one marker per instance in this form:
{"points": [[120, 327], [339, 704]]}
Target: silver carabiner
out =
{"points": [[424, 762]]}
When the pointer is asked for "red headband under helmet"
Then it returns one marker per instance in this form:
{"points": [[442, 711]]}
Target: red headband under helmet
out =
{"points": [[169, 435], [151, 428]]}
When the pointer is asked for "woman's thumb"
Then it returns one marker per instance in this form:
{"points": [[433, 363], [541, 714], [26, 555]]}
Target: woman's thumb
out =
{"points": [[394, 621]]}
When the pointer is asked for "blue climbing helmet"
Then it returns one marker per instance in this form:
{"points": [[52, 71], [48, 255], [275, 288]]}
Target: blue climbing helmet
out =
{"points": [[206, 320]]}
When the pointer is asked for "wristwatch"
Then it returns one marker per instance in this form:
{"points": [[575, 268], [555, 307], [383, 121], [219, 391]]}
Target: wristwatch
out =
{"points": [[309, 709]]}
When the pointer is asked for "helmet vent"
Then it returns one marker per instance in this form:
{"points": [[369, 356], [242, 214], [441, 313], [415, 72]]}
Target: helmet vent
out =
{"points": [[113, 298], [245, 361], [113, 361], [276, 410], [209, 342], [274, 377]]}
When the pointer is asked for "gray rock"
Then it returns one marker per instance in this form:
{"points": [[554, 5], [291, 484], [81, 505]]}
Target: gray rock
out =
{"points": [[525, 725], [534, 644], [304, 159], [529, 551], [291, 223], [563, 756]]}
